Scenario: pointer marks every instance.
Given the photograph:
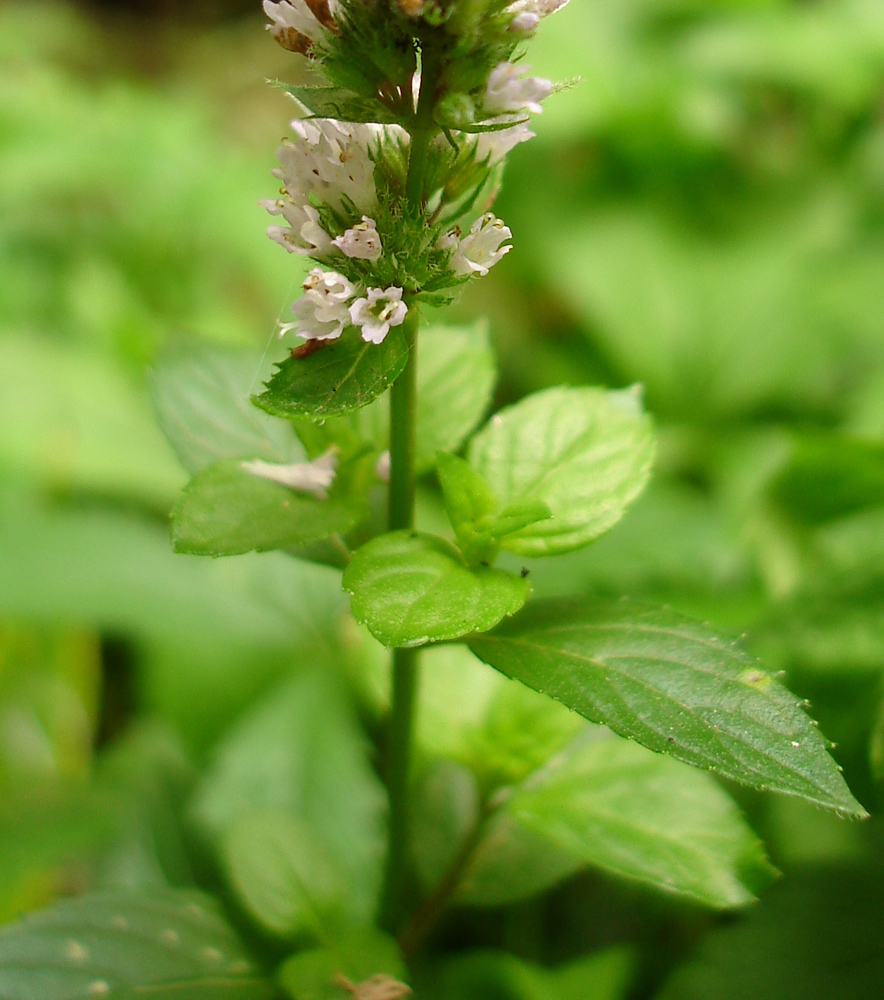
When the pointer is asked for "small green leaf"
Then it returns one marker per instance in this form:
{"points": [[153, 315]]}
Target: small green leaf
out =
{"points": [[613, 804], [226, 510], [674, 686], [125, 944], [201, 395], [342, 375], [336, 102], [324, 973], [455, 380], [284, 874], [473, 510], [411, 588], [584, 453]]}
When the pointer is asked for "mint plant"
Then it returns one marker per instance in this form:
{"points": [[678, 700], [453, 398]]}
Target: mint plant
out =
{"points": [[496, 789]]}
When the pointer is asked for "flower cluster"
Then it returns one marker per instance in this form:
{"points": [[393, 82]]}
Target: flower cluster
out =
{"points": [[343, 200]]}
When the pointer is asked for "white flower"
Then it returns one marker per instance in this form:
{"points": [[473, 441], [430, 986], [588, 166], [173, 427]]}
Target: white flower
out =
{"points": [[313, 477], [305, 235], [538, 8], [375, 314], [495, 145], [481, 248], [524, 23], [322, 309], [361, 241], [505, 90], [295, 25]]}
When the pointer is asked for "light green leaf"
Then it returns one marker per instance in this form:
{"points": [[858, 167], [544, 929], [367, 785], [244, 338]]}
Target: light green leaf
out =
{"points": [[456, 373], [201, 395], [302, 753], [361, 955], [343, 375], [284, 874], [673, 685], [226, 510], [125, 944], [411, 588], [585, 453], [640, 815]]}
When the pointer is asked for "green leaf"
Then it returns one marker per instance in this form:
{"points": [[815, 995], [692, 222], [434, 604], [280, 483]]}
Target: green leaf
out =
{"points": [[126, 944], [411, 588], [472, 509], [674, 686], [445, 813], [284, 874], [336, 102], [456, 373], [343, 375], [301, 752], [584, 453], [361, 955], [201, 395], [639, 815], [226, 510], [481, 975]]}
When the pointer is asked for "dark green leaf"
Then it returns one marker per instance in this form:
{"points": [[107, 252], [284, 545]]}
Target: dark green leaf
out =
{"points": [[411, 588], [126, 945], [445, 812], [284, 874], [342, 375], [202, 396], [226, 510], [674, 686], [615, 805], [335, 102], [584, 453], [324, 973]]}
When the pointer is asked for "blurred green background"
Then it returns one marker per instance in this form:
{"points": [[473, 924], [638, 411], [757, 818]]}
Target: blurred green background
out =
{"points": [[703, 212]]}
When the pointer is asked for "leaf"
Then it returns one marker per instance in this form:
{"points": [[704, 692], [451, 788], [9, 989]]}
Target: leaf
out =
{"points": [[343, 375], [225, 510], [614, 805], [473, 510], [585, 453], [336, 102], [301, 753], [674, 686], [411, 588], [201, 395], [478, 975], [445, 812], [284, 874], [361, 955], [456, 373], [123, 944]]}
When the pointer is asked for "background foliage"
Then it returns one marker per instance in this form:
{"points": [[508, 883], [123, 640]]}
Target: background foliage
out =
{"points": [[703, 213]]}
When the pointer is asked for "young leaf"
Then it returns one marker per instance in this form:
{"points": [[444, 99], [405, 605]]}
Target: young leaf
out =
{"points": [[284, 874], [342, 375], [584, 453], [324, 973], [455, 375], [410, 588], [125, 944], [674, 686], [613, 804], [201, 395], [301, 753], [472, 509], [226, 510]]}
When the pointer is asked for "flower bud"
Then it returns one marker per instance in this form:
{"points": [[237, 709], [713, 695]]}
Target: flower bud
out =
{"points": [[455, 111]]}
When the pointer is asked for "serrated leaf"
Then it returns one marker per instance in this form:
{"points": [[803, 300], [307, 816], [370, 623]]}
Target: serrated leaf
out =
{"points": [[343, 375], [585, 453], [456, 373], [284, 874], [225, 510], [614, 805], [301, 752], [124, 944], [201, 393], [410, 589], [320, 974], [335, 102], [672, 685]]}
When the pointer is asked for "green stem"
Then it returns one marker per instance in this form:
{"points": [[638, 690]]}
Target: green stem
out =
{"points": [[403, 405]]}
